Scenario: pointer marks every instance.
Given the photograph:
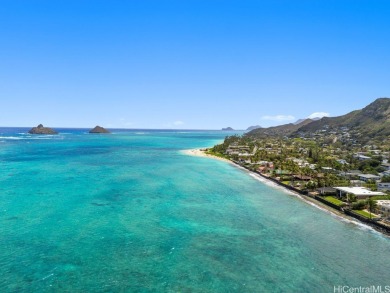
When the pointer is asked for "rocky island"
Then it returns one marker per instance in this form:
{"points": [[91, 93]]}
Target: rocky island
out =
{"points": [[228, 129], [40, 129], [99, 129], [253, 127]]}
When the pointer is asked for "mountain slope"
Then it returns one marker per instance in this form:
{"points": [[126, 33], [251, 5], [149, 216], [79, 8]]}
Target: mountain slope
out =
{"points": [[253, 127], [369, 123], [281, 130]]}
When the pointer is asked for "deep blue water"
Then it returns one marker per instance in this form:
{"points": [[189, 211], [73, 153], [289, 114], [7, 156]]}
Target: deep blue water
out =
{"points": [[130, 212]]}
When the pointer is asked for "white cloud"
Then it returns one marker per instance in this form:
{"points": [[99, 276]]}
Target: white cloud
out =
{"points": [[278, 118], [318, 115], [178, 123]]}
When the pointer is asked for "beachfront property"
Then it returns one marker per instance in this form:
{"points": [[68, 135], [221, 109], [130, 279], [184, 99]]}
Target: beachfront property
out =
{"points": [[383, 208], [358, 192], [326, 190]]}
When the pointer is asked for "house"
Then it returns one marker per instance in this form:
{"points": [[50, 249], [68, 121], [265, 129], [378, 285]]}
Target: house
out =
{"points": [[384, 186], [359, 192], [386, 166], [368, 177], [383, 207], [357, 183], [326, 190], [385, 173], [350, 174], [327, 169], [302, 177], [361, 157]]}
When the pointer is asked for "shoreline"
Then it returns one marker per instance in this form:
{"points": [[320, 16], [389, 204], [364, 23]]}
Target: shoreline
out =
{"points": [[201, 153], [305, 198]]}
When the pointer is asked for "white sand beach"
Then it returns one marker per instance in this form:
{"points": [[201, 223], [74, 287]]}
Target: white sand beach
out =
{"points": [[306, 199], [202, 153]]}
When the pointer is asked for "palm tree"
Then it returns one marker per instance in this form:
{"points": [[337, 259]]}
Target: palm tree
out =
{"points": [[371, 205]]}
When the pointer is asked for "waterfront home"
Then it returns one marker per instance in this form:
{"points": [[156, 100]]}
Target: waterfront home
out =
{"points": [[302, 177], [358, 192], [383, 207], [326, 190], [368, 177]]}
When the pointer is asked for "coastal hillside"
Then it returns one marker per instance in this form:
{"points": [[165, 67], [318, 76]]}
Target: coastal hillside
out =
{"points": [[281, 130], [371, 123], [253, 127]]}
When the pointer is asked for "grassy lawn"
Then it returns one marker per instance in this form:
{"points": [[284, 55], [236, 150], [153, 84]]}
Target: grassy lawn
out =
{"points": [[364, 214], [379, 197], [334, 200]]}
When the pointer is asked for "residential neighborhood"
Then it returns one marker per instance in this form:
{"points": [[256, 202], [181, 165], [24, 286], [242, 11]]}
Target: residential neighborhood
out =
{"points": [[328, 166]]}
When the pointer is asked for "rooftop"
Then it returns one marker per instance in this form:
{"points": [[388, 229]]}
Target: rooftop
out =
{"points": [[359, 191], [368, 176]]}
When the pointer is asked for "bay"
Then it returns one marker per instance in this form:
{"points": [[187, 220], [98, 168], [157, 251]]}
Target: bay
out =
{"points": [[130, 212]]}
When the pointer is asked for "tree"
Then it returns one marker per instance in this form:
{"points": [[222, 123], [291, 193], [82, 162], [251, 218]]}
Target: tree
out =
{"points": [[358, 205], [386, 178], [371, 205], [311, 185], [351, 197]]}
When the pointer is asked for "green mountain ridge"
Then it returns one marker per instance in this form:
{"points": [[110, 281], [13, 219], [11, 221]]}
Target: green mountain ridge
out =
{"points": [[368, 124], [281, 130]]}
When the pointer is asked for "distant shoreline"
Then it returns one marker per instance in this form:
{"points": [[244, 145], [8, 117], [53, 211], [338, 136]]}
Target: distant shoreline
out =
{"points": [[273, 184]]}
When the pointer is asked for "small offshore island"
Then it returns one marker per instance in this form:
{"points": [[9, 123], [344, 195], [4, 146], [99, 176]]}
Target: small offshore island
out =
{"points": [[342, 162], [40, 129], [99, 129]]}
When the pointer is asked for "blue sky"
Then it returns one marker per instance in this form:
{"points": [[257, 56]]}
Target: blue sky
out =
{"points": [[191, 64]]}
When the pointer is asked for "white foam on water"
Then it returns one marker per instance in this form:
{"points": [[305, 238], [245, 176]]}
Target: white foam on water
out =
{"points": [[29, 137], [11, 137]]}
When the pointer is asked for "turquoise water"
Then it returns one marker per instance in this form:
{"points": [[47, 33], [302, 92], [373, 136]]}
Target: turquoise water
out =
{"points": [[129, 212]]}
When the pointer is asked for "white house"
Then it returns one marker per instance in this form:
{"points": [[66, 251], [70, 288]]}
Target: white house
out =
{"points": [[384, 186], [383, 207], [368, 177], [386, 166], [361, 157], [359, 192]]}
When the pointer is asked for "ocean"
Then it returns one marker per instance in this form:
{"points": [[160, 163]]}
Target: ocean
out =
{"points": [[130, 212]]}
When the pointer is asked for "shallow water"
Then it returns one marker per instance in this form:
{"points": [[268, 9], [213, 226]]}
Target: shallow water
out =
{"points": [[129, 212]]}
